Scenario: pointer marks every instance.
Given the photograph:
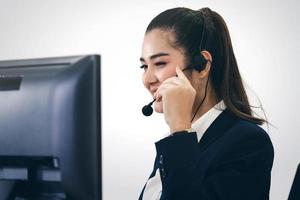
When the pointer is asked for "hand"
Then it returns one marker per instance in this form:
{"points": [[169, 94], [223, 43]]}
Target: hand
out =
{"points": [[178, 97]]}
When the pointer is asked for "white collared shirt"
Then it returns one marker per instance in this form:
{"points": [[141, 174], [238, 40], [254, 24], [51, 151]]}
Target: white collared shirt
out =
{"points": [[153, 187]]}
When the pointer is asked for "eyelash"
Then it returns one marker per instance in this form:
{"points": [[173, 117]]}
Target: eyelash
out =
{"points": [[160, 63], [143, 66], [156, 64]]}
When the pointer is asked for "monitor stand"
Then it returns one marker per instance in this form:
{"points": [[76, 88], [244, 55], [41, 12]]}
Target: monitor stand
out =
{"points": [[35, 186], [23, 190]]}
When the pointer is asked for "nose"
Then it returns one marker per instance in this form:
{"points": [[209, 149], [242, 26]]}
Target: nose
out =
{"points": [[149, 77]]}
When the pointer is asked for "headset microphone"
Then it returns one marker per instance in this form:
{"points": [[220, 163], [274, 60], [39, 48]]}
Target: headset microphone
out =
{"points": [[147, 109]]}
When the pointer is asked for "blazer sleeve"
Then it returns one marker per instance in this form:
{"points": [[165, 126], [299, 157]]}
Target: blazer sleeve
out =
{"points": [[238, 168]]}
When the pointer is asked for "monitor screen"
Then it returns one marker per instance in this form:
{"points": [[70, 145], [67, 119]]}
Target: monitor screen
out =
{"points": [[50, 128]]}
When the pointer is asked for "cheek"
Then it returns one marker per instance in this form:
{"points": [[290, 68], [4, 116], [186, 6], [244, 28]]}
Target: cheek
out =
{"points": [[166, 73]]}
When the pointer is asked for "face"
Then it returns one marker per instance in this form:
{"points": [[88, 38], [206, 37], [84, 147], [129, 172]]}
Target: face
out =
{"points": [[159, 60]]}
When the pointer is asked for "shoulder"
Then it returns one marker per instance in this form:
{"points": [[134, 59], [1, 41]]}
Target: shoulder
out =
{"points": [[246, 138], [246, 130]]}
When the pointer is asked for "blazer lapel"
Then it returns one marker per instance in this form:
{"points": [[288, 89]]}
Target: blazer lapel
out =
{"points": [[222, 123]]}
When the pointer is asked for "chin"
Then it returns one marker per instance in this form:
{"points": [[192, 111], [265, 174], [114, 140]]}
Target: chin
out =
{"points": [[158, 107]]}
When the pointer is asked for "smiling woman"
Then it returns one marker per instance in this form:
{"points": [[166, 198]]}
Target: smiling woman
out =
{"points": [[215, 150], [159, 61]]}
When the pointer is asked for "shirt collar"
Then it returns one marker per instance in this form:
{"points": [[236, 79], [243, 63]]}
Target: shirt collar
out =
{"points": [[202, 124]]}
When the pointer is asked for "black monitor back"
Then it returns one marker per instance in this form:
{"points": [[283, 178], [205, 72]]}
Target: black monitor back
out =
{"points": [[50, 122]]}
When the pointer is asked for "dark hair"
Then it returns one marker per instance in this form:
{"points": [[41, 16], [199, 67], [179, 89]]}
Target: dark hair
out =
{"points": [[190, 27]]}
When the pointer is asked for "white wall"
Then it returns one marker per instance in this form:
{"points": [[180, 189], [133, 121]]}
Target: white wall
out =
{"points": [[265, 36]]}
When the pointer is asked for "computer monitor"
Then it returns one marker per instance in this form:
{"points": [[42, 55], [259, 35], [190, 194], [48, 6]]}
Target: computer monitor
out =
{"points": [[50, 128]]}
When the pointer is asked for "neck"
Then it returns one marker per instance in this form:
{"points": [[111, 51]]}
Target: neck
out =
{"points": [[209, 102]]}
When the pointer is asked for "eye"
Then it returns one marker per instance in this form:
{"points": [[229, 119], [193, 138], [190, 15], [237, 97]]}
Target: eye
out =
{"points": [[160, 64], [144, 66]]}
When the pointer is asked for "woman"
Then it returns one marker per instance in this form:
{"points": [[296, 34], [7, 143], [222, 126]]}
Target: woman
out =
{"points": [[215, 150]]}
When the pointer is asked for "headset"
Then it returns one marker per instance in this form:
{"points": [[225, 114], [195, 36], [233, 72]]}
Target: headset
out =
{"points": [[198, 64]]}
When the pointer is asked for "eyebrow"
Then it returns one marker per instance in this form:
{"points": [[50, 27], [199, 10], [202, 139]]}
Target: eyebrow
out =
{"points": [[155, 56]]}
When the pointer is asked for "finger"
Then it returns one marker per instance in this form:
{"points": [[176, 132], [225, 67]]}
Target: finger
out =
{"points": [[162, 88], [181, 75], [174, 80]]}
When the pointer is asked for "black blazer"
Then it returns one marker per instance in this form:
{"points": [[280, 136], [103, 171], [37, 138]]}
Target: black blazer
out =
{"points": [[232, 161]]}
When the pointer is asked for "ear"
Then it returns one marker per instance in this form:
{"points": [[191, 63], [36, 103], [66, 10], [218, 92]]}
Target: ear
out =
{"points": [[204, 73], [207, 55]]}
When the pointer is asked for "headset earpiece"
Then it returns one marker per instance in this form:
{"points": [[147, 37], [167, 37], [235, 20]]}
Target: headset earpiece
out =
{"points": [[199, 63]]}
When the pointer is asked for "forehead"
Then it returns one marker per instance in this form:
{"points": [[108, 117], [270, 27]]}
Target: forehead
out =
{"points": [[157, 41], [159, 37]]}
